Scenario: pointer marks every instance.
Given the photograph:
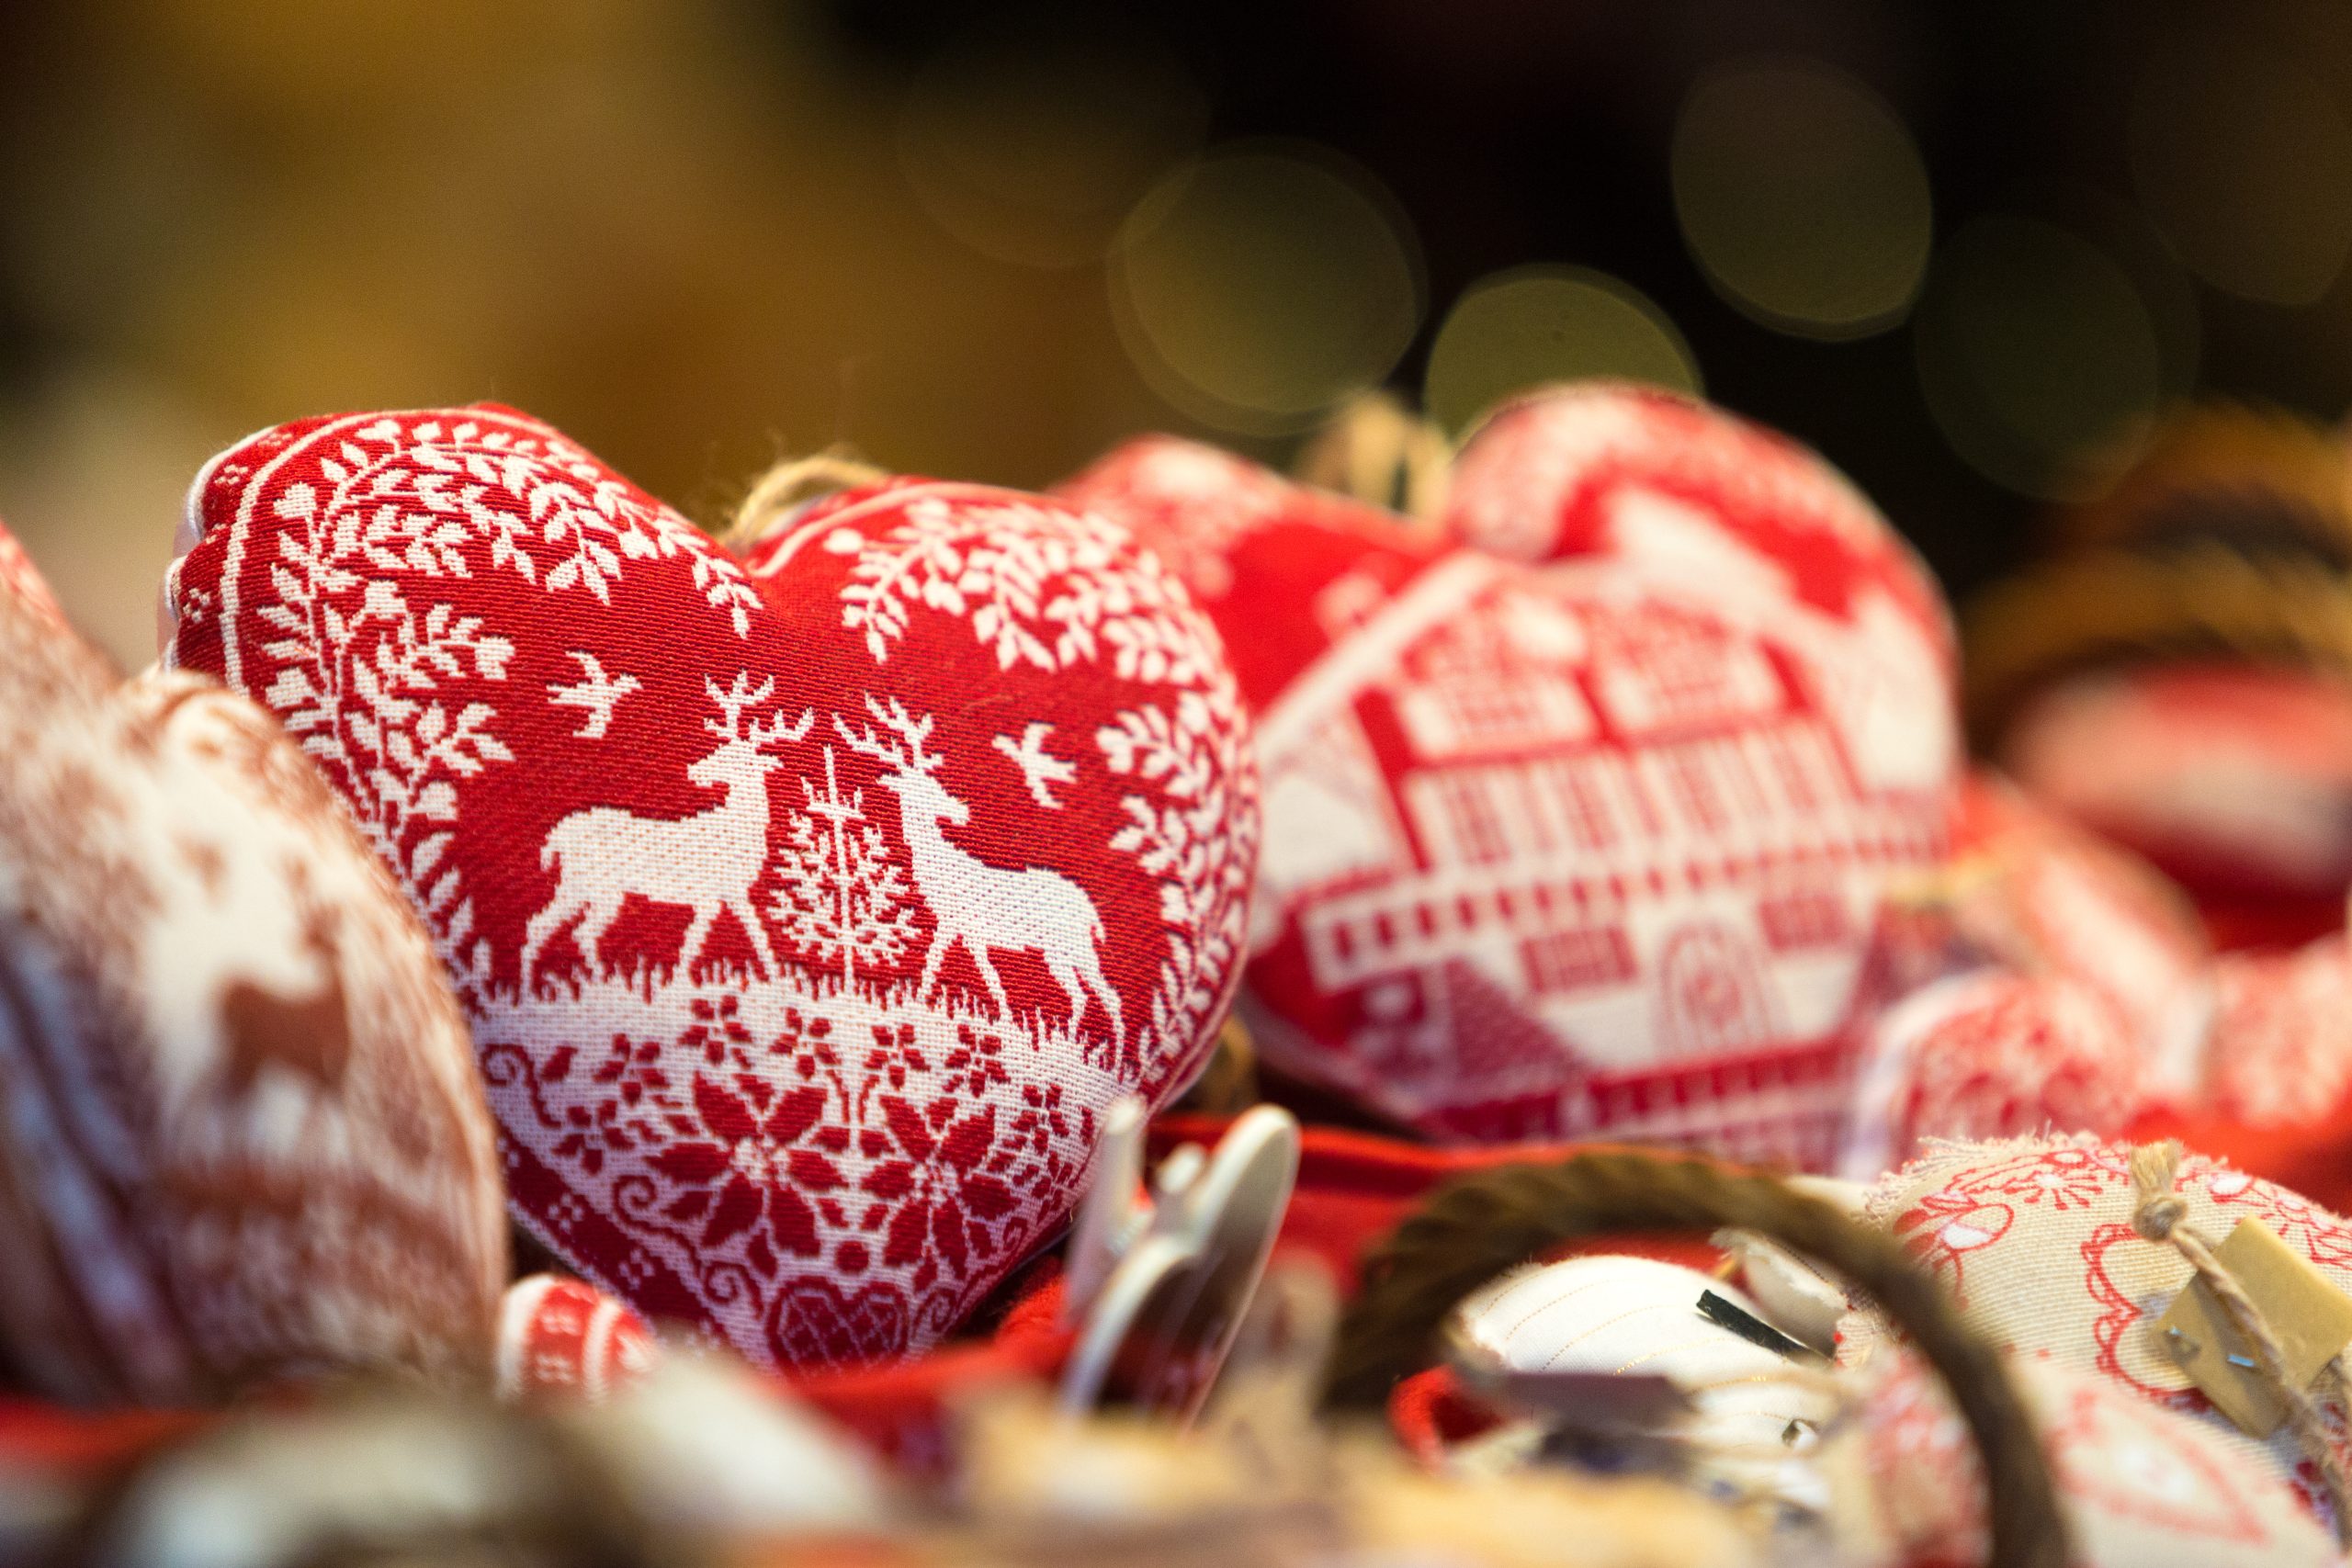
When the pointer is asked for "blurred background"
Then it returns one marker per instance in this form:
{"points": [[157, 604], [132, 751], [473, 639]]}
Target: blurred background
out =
{"points": [[1963, 250]]}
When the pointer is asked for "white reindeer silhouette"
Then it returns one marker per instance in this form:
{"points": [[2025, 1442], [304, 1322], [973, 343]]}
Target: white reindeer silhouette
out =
{"points": [[706, 862], [986, 908]]}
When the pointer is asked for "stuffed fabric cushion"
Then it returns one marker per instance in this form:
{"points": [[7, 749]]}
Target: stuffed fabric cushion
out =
{"points": [[1562, 850], [808, 908], [241, 1133], [2034, 1238]]}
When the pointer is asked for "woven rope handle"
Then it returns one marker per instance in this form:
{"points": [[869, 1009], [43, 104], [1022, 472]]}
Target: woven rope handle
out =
{"points": [[1476, 1227]]}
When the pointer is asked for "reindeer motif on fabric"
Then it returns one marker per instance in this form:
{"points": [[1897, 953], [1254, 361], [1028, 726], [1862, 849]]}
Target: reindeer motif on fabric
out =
{"points": [[986, 908], [706, 862]]}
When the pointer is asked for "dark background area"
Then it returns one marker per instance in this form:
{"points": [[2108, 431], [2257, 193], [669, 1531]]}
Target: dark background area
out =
{"points": [[690, 232]]}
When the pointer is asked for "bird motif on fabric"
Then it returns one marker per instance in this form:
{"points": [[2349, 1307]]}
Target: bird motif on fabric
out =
{"points": [[599, 694], [1038, 766]]}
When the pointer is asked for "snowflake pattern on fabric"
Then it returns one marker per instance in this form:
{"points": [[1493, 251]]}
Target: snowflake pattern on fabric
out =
{"points": [[809, 906]]}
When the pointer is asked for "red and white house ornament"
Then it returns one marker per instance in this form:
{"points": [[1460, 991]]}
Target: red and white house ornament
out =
{"points": [[809, 906], [566, 1339], [243, 1136], [2141, 1486], [1553, 850], [2034, 1238], [1657, 480]]}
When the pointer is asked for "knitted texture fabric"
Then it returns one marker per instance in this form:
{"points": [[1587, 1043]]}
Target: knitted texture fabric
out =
{"points": [[243, 1135], [808, 906], [1563, 850]]}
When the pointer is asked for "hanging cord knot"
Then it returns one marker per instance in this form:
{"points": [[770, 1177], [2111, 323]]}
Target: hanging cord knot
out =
{"points": [[2158, 1210], [789, 483], [1381, 453], [2160, 1214]]}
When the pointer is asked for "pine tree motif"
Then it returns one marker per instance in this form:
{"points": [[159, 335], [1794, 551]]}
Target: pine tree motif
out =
{"points": [[843, 896]]}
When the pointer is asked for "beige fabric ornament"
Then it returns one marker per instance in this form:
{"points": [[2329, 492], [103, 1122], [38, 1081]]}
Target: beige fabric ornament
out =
{"points": [[2036, 1239], [2141, 1486], [243, 1136]]}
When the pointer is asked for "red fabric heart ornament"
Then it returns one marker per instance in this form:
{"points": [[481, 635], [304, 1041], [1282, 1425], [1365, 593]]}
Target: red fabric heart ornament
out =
{"points": [[2032, 891], [242, 1136], [2280, 1049], [1650, 477], [808, 908], [1559, 849]]}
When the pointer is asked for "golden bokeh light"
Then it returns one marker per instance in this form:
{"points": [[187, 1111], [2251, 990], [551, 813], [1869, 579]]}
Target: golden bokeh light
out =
{"points": [[2037, 356], [2244, 160], [1801, 197], [1530, 325], [1259, 288], [1032, 150]]}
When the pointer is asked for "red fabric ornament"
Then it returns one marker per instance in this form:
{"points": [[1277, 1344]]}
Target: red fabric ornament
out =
{"points": [[1561, 850], [1645, 475], [243, 1134], [2280, 1049], [2043, 894], [808, 908], [2234, 778], [567, 1339], [1994, 1055]]}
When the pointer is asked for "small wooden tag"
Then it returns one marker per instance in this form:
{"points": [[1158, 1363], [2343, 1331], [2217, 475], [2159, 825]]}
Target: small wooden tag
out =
{"points": [[2310, 1318]]}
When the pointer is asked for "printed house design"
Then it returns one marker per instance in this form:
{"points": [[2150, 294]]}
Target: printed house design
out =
{"points": [[1580, 861]]}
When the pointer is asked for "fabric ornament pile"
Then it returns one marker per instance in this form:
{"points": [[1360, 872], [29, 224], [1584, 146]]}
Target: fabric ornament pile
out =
{"points": [[541, 1023]]}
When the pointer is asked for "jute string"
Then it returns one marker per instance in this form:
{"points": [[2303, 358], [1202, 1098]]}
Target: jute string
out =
{"points": [[774, 493], [1480, 1225], [2161, 1215], [1377, 451]]}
